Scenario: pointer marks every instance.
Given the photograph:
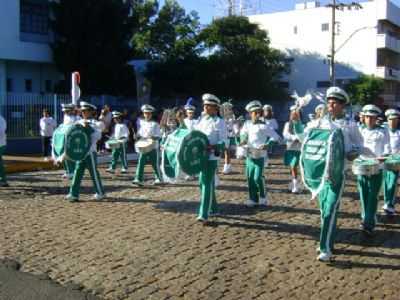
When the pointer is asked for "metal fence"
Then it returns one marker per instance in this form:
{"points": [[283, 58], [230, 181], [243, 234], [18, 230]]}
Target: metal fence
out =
{"points": [[23, 111]]}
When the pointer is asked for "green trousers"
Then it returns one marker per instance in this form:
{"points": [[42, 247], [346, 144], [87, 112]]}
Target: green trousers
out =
{"points": [[69, 167], [2, 169], [90, 162], [117, 154], [151, 157], [208, 200], [369, 187], [255, 178], [390, 187], [329, 201]]}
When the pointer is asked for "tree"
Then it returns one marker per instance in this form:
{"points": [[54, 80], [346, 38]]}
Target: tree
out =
{"points": [[366, 89], [92, 37], [242, 64]]}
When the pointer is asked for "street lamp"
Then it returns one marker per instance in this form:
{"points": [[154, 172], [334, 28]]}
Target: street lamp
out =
{"points": [[340, 6]]}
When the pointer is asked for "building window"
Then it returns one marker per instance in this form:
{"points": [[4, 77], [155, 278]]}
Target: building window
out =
{"points": [[10, 85], [325, 27], [28, 85], [323, 84], [34, 17], [295, 29], [48, 86]]}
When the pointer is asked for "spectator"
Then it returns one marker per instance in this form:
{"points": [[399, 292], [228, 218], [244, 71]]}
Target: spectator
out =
{"points": [[106, 118], [47, 126]]}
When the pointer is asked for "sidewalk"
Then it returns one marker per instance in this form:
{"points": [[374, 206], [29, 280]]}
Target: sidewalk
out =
{"points": [[17, 164]]}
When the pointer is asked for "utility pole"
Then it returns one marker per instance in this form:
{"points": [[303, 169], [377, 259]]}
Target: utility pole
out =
{"points": [[336, 6]]}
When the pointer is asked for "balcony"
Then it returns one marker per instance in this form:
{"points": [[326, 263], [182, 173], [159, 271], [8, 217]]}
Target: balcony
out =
{"points": [[388, 73], [388, 42]]}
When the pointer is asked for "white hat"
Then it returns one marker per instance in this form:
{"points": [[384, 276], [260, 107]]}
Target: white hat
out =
{"points": [[320, 107], [147, 108], [293, 107], [210, 99], [371, 110], [337, 93], [116, 114], [392, 114], [253, 106], [189, 105], [228, 104], [67, 107], [87, 106], [267, 107]]}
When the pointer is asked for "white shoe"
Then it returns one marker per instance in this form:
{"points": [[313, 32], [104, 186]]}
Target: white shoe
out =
{"points": [[123, 170], [263, 201], [110, 170], [158, 182], [389, 210], [99, 196], [295, 186], [227, 169], [250, 203], [324, 257]]}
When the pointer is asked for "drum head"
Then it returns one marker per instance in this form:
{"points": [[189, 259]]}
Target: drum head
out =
{"points": [[193, 153], [78, 142]]}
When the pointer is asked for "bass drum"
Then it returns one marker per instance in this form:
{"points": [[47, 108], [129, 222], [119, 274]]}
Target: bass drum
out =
{"points": [[72, 142], [186, 151]]}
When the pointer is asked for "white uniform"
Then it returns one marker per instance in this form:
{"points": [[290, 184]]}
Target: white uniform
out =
{"points": [[121, 131], [215, 129], [190, 123], [70, 119], [95, 136], [3, 128], [376, 142], [149, 129], [257, 135], [272, 123], [394, 140], [292, 140]]}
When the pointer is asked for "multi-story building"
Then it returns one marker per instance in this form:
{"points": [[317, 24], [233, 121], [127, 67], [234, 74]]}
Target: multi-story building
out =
{"points": [[25, 55], [367, 41]]}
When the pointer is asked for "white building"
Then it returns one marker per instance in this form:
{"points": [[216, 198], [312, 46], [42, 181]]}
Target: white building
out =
{"points": [[367, 41], [25, 56]]}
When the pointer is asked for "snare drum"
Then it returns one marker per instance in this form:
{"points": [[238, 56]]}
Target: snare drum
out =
{"points": [[392, 163], [144, 146], [113, 144], [256, 153], [365, 167]]}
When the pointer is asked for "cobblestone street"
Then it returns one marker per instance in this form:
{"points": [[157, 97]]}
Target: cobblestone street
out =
{"points": [[145, 243]]}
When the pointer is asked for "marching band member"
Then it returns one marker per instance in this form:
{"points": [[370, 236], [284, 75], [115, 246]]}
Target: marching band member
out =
{"points": [[271, 122], [68, 119], [90, 162], [390, 177], [148, 130], [3, 142], [329, 195], [214, 127], [320, 111], [376, 142], [292, 153], [121, 134], [257, 136], [190, 122], [229, 118]]}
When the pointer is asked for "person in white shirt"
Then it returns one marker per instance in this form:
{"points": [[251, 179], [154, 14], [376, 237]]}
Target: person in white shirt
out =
{"points": [[390, 177], [256, 135], [292, 153], [90, 162], [121, 134], [190, 121], [376, 142], [3, 143], [330, 194], [148, 129], [47, 125], [214, 128], [271, 122], [230, 120]]}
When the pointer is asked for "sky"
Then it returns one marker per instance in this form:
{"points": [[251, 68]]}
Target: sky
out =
{"points": [[209, 8]]}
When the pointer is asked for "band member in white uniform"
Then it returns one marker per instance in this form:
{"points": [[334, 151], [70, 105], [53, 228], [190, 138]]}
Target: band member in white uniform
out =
{"points": [[190, 121], [120, 134]]}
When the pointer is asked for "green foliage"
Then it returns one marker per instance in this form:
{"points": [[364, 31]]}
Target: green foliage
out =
{"points": [[365, 90], [92, 37]]}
